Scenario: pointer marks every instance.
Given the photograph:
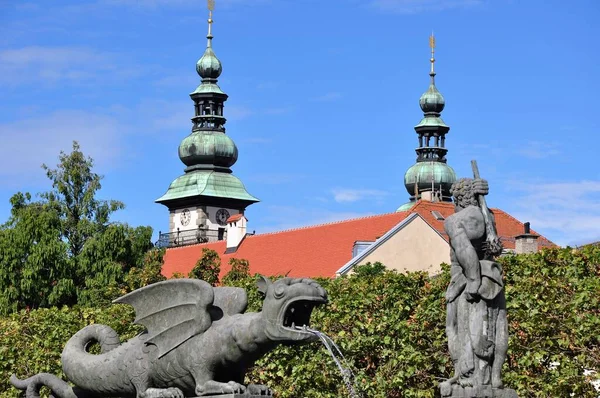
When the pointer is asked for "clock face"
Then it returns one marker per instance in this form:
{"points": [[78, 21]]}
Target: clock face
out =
{"points": [[222, 216], [185, 217]]}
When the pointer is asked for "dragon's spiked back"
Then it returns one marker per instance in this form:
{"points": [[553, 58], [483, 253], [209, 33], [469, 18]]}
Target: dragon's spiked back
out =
{"points": [[288, 306]]}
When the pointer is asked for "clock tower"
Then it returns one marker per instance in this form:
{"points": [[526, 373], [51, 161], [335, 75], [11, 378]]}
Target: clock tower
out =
{"points": [[207, 194]]}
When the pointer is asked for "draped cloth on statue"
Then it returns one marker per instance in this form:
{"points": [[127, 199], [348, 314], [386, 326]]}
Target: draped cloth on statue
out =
{"points": [[472, 326]]}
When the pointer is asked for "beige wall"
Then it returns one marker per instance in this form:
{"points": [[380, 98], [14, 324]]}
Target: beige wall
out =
{"points": [[416, 247]]}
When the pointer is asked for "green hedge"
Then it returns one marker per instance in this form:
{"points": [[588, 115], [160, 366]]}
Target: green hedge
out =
{"points": [[390, 327]]}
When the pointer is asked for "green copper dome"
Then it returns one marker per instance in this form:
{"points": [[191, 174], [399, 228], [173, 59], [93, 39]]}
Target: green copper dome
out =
{"points": [[407, 206], [432, 100], [421, 174], [209, 66], [207, 183], [208, 147]]}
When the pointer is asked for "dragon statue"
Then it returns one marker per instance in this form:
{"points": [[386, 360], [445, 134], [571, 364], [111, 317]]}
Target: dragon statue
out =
{"points": [[198, 342]]}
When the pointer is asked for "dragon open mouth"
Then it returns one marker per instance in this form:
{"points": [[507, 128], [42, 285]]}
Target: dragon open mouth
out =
{"points": [[297, 313]]}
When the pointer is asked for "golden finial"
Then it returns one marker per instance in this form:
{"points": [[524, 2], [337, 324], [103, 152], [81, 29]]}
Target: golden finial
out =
{"points": [[432, 60], [211, 7]]}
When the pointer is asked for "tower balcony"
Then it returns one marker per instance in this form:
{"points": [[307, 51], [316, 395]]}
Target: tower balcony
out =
{"points": [[190, 237], [431, 154]]}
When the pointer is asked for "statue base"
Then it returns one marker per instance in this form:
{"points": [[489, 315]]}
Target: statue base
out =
{"points": [[480, 392], [235, 396]]}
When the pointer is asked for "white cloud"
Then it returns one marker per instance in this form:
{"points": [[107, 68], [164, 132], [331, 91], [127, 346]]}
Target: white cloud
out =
{"points": [[417, 6], [237, 112], [28, 143], [342, 195], [267, 85], [538, 150], [50, 65], [327, 97], [30, 139], [188, 80], [166, 115], [568, 212]]}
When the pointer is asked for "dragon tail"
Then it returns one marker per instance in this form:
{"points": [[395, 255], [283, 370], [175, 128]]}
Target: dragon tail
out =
{"points": [[32, 386]]}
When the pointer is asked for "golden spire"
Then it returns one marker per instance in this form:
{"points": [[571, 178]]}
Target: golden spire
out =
{"points": [[211, 7], [432, 60]]}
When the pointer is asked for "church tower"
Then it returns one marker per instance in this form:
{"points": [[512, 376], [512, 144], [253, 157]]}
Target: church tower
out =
{"points": [[201, 200], [430, 178]]}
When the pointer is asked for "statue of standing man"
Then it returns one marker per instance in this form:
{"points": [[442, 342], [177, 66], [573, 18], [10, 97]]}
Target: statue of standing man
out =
{"points": [[476, 323]]}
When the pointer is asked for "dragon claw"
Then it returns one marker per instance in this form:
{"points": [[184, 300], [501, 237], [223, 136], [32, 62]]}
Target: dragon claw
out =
{"points": [[163, 393], [259, 389], [212, 387]]}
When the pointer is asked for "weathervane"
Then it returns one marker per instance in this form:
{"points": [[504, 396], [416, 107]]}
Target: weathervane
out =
{"points": [[211, 7], [432, 60]]}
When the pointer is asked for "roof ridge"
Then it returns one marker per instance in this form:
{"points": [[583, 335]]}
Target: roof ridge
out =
{"points": [[324, 224], [515, 219], [425, 203]]}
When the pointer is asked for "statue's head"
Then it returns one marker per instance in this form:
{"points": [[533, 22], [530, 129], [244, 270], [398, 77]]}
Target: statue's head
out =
{"points": [[288, 306], [463, 193]]}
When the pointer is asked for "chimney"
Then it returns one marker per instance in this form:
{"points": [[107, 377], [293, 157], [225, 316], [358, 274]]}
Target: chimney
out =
{"points": [[236, 231], [527, 242], [427, 196]]}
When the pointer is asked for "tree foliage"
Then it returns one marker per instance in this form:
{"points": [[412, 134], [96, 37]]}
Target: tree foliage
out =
{"points": [[207, 267], [240, 270], [391, 329], [62, 248], [369, 269], [75, 186], [34, 266]]}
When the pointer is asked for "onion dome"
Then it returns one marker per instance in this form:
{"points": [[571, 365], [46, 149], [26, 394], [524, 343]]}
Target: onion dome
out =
{"points": [[206, 149], [209, 66], [421, 176], [432, 101]]}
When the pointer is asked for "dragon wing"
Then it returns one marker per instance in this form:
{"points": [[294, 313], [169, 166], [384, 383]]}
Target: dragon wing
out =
{"points": [[172, 311], [231, 300]]}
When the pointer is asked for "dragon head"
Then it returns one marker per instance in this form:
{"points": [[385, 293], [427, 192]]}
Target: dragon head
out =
{"points": [[288, 305]]}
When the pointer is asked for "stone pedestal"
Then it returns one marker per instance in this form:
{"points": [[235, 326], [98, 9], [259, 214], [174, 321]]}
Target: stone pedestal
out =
{"points": [[481, 392], [235, 396]]}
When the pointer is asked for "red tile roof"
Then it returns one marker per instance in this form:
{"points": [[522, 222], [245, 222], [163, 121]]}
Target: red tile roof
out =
{"points": [[320, 250], [235, 217]]}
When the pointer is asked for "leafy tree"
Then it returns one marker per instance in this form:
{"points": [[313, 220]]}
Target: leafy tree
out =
{"points": [[75, 187], [62, 248], [149, 273], [110, 258], [34, 263], [207, 267], [369, 269], [391, 329], [240, 270]]}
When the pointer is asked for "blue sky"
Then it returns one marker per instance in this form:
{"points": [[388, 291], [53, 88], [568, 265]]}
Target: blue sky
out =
{"points": [[323, 100]]}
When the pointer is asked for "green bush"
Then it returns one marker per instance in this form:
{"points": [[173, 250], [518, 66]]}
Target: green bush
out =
{"points": [[391, 329], [207, 267]]}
